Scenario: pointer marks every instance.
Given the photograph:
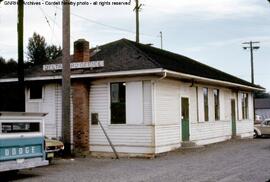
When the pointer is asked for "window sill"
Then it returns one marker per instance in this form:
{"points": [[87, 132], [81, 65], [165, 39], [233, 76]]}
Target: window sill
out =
{"points": [[128, 125], [122, 125], [35, 100]]}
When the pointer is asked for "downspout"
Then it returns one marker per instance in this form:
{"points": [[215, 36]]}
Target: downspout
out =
{"points": [[164, 76], [154, 106]]}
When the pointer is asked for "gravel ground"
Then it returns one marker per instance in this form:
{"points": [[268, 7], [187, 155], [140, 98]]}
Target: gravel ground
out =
{"points": [[232, 161]]}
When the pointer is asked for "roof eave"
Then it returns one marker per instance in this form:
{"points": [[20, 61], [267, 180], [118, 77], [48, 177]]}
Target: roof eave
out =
{"points": [[212, 81], [90, 75], [141, 72]]}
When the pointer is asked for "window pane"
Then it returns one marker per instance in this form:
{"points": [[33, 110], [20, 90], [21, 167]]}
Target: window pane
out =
{"points": [[36, 91], [205, 98], [115, 92], [246, 106], [20, 127], [216, 104], [118, 103], [244, 101]]}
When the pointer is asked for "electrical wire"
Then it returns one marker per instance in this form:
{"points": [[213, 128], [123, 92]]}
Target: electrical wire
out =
{"points": [[48, 19], [106, 25], [54, 22]]}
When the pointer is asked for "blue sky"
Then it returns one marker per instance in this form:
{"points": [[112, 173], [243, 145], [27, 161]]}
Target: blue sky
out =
{"points": [[210, 31]]}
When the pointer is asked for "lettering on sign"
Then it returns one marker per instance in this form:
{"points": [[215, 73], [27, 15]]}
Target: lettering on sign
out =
{"points": [[20, 151], [78, 65]]}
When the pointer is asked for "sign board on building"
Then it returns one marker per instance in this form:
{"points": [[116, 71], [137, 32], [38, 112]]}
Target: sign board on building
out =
{"points": [[75, 65]]}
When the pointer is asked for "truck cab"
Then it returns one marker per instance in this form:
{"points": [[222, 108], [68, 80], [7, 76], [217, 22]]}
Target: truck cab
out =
{"points": [[21, 141]]}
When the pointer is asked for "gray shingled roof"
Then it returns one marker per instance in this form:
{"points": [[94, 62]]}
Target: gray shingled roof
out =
{"points": [[125, 55], [262, 103]]}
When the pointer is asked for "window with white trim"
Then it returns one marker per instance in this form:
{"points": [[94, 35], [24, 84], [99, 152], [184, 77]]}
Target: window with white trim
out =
{"points": [[216, 104], [118, 103], [35, 92], [244, 101], [205, 101]]}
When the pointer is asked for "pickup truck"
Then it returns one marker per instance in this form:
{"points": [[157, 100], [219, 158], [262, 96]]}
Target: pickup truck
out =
{"points": [[22, 142]]}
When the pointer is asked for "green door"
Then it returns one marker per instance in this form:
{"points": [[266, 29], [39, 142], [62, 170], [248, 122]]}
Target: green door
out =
{"points": [[233, 118], [185, 119]]}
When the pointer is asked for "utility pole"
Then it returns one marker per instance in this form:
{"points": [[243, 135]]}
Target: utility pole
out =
{"points": [[66, 134], [20, 53], [137, 10], [251, 47], [161, 40]]}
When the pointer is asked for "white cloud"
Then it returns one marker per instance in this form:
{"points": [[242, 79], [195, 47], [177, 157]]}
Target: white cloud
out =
{"points": [[209, 9], [122, 17]]}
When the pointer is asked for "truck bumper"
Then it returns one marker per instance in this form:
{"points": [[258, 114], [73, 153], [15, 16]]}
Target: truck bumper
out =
{"points": [[22, 164]]}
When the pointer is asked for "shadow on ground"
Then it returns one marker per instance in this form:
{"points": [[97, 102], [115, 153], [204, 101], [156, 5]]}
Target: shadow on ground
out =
{"points": [[15, 175]]}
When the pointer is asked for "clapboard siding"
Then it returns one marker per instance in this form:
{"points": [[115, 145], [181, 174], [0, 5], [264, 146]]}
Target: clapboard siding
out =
{"points": [[167, 134], [210, 132], [167, 123], [168, 107], [147, 103], [167, 103], [58, 109], [50, 103], [244, 128], [123, 136], [156, 133], [58, 113], [47, 105], [99, 103]]}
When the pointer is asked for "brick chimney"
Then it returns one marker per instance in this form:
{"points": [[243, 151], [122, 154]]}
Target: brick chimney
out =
{"points": [[80, 92], [81, 51]]}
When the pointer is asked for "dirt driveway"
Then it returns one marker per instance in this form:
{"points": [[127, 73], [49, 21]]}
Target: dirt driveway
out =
{"points": [[232, 161]]}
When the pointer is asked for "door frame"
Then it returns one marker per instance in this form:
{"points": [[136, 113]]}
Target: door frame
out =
{"points": [[233, 117]]}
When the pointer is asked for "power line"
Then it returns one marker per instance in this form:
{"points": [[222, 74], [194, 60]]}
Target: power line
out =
{"points": [[54, 22], [110, 26], [48, 22], [107, 25]]}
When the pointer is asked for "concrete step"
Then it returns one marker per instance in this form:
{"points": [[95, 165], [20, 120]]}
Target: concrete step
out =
{"points": [[188, 144]]}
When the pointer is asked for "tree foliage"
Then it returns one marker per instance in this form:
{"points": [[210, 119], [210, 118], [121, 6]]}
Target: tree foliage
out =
{"points": [[37, 49], [39, 52], [53, 52], [8, 66], [262, 95]]}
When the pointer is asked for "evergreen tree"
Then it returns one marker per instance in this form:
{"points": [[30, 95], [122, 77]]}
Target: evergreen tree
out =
{"points": [[37, 49], [39, 52]]}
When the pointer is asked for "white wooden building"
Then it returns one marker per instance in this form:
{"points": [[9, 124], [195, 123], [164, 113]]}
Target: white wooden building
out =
{"points": [[149, 101]]}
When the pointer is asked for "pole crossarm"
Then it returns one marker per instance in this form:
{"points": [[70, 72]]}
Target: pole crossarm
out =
{"points": [[250, 45]]}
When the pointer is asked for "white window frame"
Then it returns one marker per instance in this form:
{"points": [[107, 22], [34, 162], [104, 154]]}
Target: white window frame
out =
{"points": [[35, 100]]}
